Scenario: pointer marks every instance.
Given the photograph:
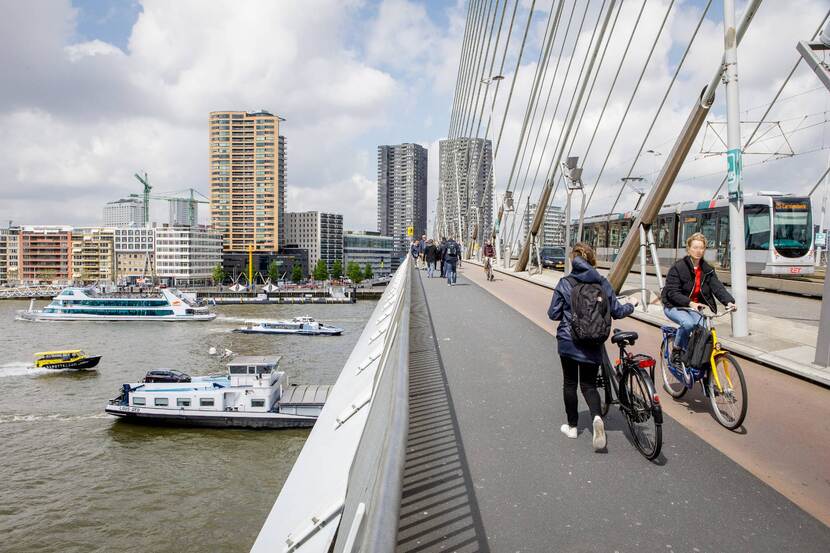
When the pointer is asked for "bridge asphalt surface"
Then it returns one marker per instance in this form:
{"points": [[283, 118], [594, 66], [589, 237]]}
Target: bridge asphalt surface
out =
{"points": [[491, 467]]}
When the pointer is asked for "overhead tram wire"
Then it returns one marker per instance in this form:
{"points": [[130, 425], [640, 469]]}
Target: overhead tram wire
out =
{"points": [[570, 104], [518, 200], [630, 102], [775, 98], [662, 103], [514, 236]]}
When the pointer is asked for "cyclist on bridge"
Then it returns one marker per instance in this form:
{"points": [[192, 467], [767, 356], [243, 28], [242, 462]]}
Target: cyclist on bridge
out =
{"points": [[691, 282], [488, 252], [584, 303]]}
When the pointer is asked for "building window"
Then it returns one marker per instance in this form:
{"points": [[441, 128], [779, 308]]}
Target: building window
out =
{"points": [[206, 402], [161, 402]]}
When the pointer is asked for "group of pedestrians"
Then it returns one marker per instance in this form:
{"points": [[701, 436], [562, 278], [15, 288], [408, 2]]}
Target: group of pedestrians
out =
{"points": [[439, 258]]}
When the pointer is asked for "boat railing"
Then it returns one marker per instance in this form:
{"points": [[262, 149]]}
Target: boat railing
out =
{"points": [[353, 505]]}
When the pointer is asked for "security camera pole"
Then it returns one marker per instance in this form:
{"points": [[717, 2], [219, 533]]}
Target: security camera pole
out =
{"points": [[740, 325]]}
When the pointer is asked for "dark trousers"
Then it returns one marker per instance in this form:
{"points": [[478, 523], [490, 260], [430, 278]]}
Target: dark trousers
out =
{"points": [[584, 374]]}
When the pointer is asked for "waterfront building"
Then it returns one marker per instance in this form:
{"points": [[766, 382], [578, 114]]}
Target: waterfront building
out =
{"points": [[320, 234], [93, 255], [180, 211], [552, 232], [185, 255], [466, 188], [7, 235], [124, 212], [402, 195], [10, 261], [134, 257], [247, 180], [368, 247], [235, 264], [44, 254]]}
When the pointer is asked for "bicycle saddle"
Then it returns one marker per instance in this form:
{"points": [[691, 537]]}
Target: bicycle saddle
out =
{"points": [[627, 337]]}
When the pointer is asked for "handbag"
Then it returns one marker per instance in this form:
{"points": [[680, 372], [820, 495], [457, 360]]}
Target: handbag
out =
{"points": [[699, 350]]}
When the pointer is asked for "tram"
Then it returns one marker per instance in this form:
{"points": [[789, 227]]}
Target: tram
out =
{"points": [[778, 233]]}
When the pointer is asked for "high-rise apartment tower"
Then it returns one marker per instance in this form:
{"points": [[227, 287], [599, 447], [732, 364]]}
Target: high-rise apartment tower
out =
{"points": [[402, 194]]}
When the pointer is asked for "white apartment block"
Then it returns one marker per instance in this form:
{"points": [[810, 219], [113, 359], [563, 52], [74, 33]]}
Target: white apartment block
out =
{"points": [[186, 256], [133, 253], [124, 212], [320, 234], [553, 228]]}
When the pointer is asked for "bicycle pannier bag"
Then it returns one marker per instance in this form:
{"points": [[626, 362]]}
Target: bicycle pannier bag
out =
{"points": [[699, 349], [590, 313]]}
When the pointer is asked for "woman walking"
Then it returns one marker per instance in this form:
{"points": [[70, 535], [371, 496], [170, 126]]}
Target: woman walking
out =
{"points": [[580, 359]]}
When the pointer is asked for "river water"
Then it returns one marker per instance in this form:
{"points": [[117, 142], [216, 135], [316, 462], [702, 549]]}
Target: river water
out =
{"points": [[75, 479]]}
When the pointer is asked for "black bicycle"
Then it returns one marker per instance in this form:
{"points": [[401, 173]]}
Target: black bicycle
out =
{"points": [[628, 381]]}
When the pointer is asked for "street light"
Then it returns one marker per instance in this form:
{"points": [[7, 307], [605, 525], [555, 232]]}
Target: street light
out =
{"points": [[573, 177]]}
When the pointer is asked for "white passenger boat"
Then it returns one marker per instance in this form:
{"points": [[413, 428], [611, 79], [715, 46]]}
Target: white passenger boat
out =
{"points": [[298, 325], [88, 304], [253, 394]]}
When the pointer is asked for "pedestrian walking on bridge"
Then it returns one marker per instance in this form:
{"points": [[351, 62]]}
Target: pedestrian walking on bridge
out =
{"points": [[452, 255], [431, 255], [584, 304]]}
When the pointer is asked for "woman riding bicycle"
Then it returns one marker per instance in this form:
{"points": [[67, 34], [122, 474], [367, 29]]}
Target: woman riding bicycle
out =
{"points": [[691, 282], [580, 361]]}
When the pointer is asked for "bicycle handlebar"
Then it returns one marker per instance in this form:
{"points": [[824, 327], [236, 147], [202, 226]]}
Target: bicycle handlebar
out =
{"points": [[706, 312]]}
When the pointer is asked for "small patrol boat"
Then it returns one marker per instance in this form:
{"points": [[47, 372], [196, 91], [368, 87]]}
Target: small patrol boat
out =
{"points": [[70, 359], [253, 393], [298, 325]]}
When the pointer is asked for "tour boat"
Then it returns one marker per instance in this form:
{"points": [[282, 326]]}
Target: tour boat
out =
{"points": [[88, 304], [298, 325], [253, 394], [70, 359]]}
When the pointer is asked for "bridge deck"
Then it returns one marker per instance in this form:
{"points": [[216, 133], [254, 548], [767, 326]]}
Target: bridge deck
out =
{"points": [[488, 470]]}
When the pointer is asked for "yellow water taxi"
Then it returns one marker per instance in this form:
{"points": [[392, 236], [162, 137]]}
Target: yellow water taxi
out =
{"points": [[69, 359]]}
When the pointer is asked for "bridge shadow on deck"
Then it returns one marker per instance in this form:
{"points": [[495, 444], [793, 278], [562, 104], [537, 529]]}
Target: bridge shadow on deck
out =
{"points": [[439, 511]]}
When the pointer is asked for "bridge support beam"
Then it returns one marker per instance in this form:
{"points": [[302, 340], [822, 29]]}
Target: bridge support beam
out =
{"points": [[674, 161]]}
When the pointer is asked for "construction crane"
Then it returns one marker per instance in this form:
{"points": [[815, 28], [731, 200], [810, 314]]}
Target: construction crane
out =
{"points": [[171, 197]]}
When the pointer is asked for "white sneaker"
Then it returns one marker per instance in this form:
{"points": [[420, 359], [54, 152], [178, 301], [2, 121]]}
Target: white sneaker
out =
{"points": [[569, 431], [599, 434]]}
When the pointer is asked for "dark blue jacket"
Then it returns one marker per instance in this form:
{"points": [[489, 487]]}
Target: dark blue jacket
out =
{"points": [[560, 310]]}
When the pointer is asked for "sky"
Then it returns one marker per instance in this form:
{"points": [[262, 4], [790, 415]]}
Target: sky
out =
{"points": [[96, 90]]}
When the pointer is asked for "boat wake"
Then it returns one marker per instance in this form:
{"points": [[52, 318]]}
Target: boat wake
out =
{"points": [[53, 417], [21, 368]]}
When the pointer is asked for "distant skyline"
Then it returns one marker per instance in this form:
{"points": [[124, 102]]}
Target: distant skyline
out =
{"points": [[95, 90]]}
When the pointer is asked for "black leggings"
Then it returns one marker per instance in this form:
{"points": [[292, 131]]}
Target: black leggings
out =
{"points": [[584, 374]]}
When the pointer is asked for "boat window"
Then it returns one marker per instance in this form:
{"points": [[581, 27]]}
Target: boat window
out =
{"points": [[182, 402], [265, 370], [139, 401], [161, 402], [257, 403], [236, 369], [251, 370], [206, 402]]}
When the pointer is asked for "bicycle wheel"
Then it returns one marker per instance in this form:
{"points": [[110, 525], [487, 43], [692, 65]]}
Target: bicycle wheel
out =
{"points": [[604, 391], [641, 414], [673, 385], [729, 401]]}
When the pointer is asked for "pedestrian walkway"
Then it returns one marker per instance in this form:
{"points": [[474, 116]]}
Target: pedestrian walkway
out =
{"points": [[792, 351], [525, 487]]}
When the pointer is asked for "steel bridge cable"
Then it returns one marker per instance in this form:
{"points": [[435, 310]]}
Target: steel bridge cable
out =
{"points": [[480, 65], [515, 232], [544, 111], [630, 102], [775, 98], [461, 65], [663, 102], [607, 97], [468, 64]]}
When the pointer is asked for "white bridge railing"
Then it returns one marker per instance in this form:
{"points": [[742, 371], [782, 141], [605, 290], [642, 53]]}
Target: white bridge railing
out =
{"points": [[26, 292], [343, 493]]}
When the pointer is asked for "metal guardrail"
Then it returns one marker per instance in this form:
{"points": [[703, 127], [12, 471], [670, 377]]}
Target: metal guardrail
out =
{"points": [[26, 292], [343, 493]]}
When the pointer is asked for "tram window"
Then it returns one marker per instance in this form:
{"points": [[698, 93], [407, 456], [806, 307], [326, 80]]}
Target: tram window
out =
{"points": [[691, 224], [613, 235], [757, 227], [589, 236], [708, 226], [624, 228], [793, 226], [665, 231], [601, 235]]}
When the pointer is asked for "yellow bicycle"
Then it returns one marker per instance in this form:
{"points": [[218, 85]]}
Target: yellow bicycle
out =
{"points": [[721, 378]]}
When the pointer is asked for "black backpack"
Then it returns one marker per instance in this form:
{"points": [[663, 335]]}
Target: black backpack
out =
{"points": [[590, 313], [452, 249]]}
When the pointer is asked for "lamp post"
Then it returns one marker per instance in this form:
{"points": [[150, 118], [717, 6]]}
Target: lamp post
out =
{"points": [[573, 178], [627, 181]]}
